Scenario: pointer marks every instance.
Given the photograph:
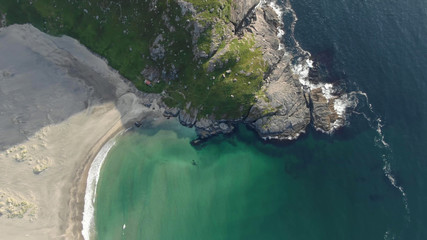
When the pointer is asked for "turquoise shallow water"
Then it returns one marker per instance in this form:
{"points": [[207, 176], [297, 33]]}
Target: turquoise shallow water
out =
{"points": [[346, 186], [241, 188]]}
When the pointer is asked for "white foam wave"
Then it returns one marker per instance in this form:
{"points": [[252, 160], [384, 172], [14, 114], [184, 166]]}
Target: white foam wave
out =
{"points": [[342, 103], [280, 35], [340, 106], [380, 140], [377, 123], [389, 175], [380, 133], [92, 182], [276, 9], [280, 31], [289, 8], [293, 137], [302, 70], [389, 236]]}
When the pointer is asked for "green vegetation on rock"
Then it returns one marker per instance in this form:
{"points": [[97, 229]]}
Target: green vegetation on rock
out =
{"points": [[157, 38]]}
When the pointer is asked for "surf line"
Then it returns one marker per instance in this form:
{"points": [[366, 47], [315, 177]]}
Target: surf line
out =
{"points": [[88, 221], [90, 194]]}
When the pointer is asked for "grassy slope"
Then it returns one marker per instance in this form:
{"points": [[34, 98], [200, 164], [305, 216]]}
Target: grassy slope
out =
{"points": [[122, 32]]}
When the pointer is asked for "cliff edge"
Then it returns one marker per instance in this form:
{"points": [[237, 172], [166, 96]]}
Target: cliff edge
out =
{"points": [[214, 63], [286, 102]]}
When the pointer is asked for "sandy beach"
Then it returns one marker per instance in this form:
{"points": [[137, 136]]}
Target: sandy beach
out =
{"points": [[59, 104]]}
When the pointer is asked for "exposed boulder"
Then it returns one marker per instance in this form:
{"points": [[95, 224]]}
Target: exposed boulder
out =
{"points": [[186, 7], [171, 112], [3, 22], [282, 113], [240, 10], [265, 32], [151, 73], [157, 50], [207, 127], [189, 118], [271, 17], [323, 112]]}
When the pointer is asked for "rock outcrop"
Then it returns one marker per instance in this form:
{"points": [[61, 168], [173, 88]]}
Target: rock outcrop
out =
{"points": [[324, 114], [209, 127], [288, 106], [204, 127], [2, 20], [284, 107], [283, 111], [216, 62], [157, 50], [241, 9]]}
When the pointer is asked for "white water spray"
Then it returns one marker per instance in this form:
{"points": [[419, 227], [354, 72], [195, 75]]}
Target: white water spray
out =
{"points": [[342, 104]]}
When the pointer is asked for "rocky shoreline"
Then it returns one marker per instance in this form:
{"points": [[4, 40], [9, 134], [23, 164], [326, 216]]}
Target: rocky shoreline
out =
{"points": [[214, 64], [289, 102]]}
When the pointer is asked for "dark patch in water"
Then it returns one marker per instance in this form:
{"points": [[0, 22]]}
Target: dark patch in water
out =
{"points": [[360, 179], [375, 197]]}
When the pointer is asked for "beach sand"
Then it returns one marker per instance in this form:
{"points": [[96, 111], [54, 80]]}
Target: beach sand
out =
{"points": [[59, 104]]}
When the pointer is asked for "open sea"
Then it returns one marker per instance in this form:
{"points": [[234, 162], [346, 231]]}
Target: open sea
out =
{"points": [[366, 181]]}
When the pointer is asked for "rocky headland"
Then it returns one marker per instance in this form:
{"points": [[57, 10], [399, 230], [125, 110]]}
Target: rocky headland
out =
{"points": [[59, 105], [213, 63], [287, 102]]}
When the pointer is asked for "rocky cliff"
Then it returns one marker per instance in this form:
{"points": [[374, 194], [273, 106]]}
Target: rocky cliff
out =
{"points": [[214, 63], [284, 106]]}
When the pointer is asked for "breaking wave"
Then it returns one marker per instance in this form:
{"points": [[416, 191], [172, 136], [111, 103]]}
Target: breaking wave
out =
{"points": [[302, 63], [90, 194], [344, 104]]}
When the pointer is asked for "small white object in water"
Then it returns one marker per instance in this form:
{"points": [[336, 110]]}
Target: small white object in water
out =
{"points": [[124, 226]]}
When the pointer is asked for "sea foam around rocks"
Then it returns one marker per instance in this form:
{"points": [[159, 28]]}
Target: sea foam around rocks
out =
{"points": [[342, 103]]}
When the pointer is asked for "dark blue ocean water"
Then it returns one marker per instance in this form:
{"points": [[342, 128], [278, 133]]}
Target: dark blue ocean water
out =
{"points": [[367, 181], [380, 48]]}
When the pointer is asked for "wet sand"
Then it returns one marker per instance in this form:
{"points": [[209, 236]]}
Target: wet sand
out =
{"points": [[59, 104]]}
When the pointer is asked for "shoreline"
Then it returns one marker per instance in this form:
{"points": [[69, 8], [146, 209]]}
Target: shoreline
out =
{"points": [[107, 87], [54, 134], [88, 221], [86, 229], [77, 203]]}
